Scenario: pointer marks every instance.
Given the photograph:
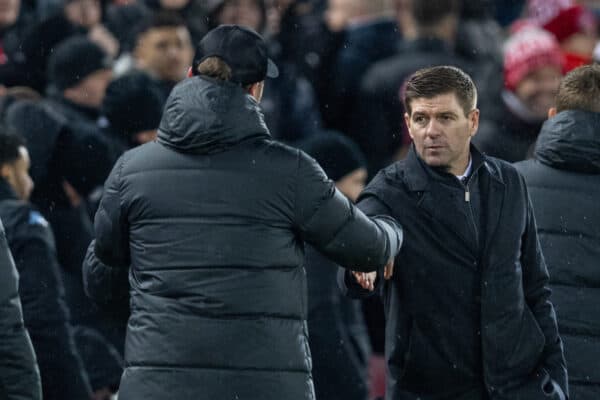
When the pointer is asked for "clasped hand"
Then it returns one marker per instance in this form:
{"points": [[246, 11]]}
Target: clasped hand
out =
{"points": [[367, 279]]}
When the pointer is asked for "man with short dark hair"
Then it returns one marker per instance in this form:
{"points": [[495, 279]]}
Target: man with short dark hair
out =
{"points": [[211, 220], [40, 286], [163, 48], [564, 182], [378, 129], [468, 310]]}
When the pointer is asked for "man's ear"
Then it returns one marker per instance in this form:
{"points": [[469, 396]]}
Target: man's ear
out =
{"points": [[474, 121], [256, 90], [552, 112], [407, 122]]}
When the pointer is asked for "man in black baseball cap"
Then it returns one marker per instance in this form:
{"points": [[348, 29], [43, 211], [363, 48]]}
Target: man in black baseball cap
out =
{"points": [[211, 220], [242, 49]]}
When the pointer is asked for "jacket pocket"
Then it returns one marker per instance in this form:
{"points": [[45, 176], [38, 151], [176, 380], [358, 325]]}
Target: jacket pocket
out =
{"points": [[528, 346]]}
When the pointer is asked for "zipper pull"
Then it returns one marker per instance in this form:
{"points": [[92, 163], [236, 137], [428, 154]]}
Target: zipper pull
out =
{"points": [[467, 195]]}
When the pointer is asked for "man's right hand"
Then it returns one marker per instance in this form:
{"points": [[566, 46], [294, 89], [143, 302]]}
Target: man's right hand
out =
{"points": [[367, 279]]}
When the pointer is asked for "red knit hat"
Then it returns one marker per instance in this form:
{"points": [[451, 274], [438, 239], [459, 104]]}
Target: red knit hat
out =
{"points": [[527, 50], [576, 19], [542, 11]]}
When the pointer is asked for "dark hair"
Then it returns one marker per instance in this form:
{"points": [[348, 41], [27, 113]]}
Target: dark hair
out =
{"points": [[580, 90], [162, 19], [9, 146], [435, 81], [429, 13]]}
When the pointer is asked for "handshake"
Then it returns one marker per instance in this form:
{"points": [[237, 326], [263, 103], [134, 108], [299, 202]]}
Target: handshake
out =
{"points": [[367, 279]]}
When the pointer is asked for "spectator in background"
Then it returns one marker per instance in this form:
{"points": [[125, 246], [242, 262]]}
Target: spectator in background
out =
{"points": [[70, 157], [121, 17], [288, 103], [40, 287], [193, 12], [369, 34], [19, 375], [337, 334], [250, 13], [12, 28], [76, 17], [564, 185], [131, 110], [163, 49], [533, 65], [378, 127], [574, 26]]}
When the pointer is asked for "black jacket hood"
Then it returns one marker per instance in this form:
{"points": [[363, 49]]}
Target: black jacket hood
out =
{"points": [[205, 116], [571, 141]]}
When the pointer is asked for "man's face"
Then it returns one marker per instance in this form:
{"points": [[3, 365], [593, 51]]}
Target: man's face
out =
{"points": [[241, 12], [165, 52], [352, 184], [17, 175], [90, 91], [9, 11], [145, 136], [175, 5], [442, 132], [538, 90], [338, 13], [85, 13]]}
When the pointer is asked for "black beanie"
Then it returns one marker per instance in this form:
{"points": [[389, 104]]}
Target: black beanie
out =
{"points": [[133, 103], [337, 154], [75, 58]]}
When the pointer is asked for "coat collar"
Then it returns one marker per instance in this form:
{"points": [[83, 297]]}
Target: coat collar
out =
{"points": [[6, 191], [419, 175]]}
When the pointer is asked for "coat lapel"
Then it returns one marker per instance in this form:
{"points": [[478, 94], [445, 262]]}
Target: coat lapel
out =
{"points": [[442, 210], [493, 201]]}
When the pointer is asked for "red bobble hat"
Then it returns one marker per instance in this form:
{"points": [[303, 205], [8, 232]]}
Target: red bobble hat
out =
{"points": [[526, 50]]}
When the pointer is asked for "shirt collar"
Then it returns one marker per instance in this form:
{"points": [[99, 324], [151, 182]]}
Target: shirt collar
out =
{"points": [[467, 171]]}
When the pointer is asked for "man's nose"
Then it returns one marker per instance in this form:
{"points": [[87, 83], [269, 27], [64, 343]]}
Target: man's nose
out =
{"points": [[433, 128]]}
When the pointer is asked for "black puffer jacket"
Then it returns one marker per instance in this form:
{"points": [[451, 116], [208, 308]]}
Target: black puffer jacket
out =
{"points": [[42, 294], [19, 376], [212, 218], [564, 183]]}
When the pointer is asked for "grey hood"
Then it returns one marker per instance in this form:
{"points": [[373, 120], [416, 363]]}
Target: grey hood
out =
{"points": [[571, 141], [205, 116]]}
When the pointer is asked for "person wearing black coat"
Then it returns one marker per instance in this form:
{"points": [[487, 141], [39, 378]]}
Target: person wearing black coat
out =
{"points": [[468, 314], [211, 221], [19, 374], [40, 287], [564, 183]]}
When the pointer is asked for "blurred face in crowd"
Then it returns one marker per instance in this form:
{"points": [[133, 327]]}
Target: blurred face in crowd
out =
{"points": [[338, 13], [9, 11], [85, 13], [174, 4], [352, 184], [241, 12], [442, 132], [145, 136], [165, 52], [90, 91], [17, 174], [538, 90]]}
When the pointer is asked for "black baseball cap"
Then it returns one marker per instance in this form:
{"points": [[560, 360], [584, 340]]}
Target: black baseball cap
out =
{"points": [[244, 50]]}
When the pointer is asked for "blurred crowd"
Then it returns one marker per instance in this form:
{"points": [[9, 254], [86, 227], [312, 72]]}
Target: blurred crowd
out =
{"points": [[82, 81]]}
